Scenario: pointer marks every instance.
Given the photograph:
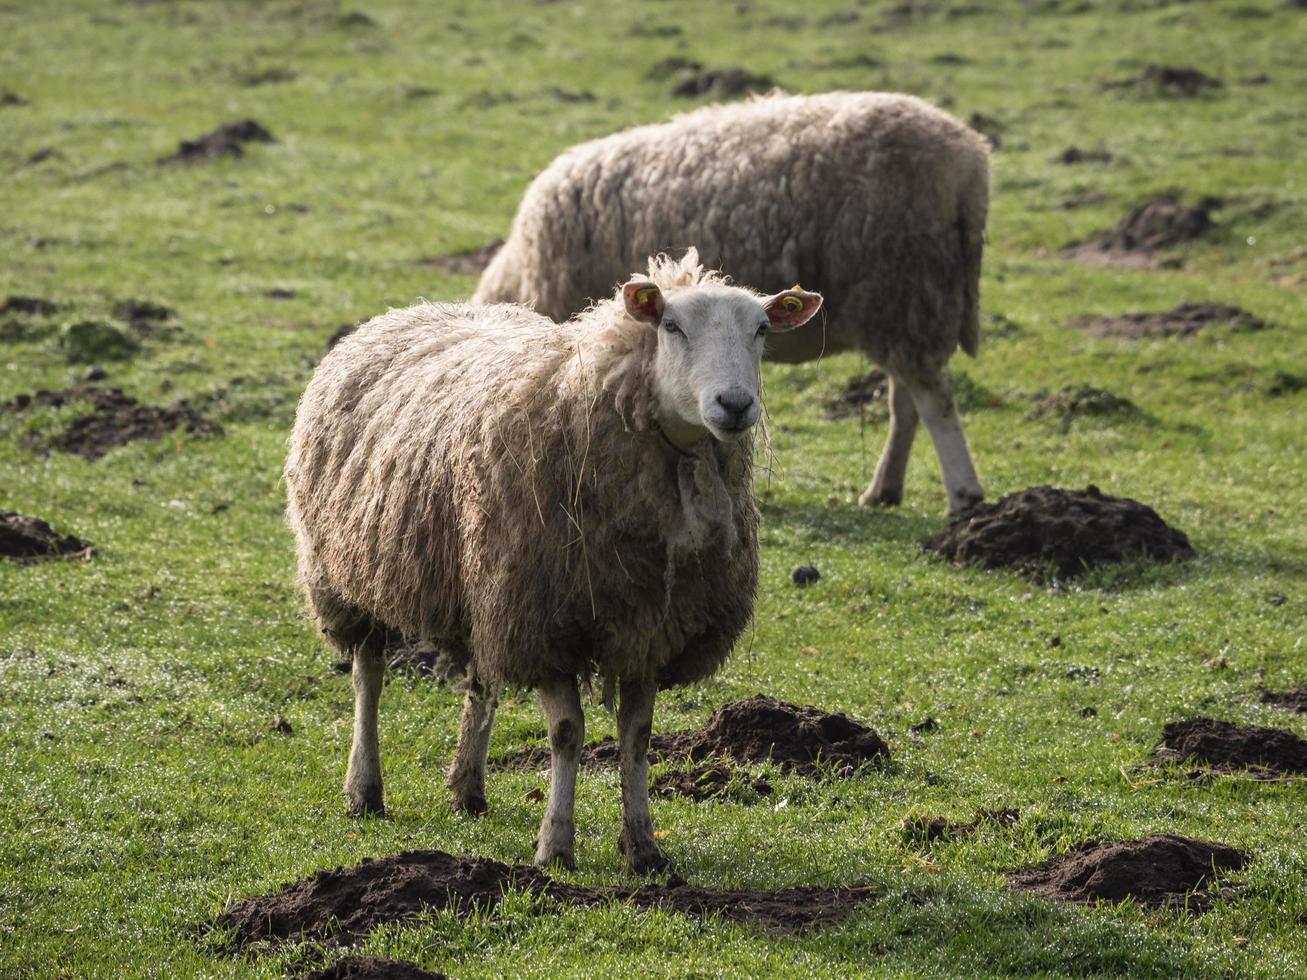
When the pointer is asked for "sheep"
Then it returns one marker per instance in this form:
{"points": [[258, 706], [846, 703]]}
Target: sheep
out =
{"points": [[550, 502], [876, 200]]}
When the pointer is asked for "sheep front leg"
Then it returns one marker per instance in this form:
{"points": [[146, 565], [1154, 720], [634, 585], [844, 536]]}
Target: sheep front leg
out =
{"points": [[363, 778], [934, 402], [467, 774], [886, 488], [634, 722], [562, 706]]}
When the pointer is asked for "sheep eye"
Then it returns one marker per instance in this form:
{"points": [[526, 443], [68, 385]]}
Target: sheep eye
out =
{"points": [[762, 328], [671, 327]]}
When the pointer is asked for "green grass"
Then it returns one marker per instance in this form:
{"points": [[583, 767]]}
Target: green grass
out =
{"points": [[142, 784]]}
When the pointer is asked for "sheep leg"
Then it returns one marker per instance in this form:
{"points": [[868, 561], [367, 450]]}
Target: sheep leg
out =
{"points": [[467, 774], [886, 489], [363, 778], [634, 722], [934, 402], [562, 706]]}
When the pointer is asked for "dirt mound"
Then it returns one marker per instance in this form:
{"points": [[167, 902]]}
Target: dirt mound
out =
{"points": [[751, 731], [708, 782], [929, 829], [1171, 81], [724, 83], [115, 420], [1067, 530], [26, 537], [1075, 154], [1083, 401], [1163, 869], [862, 390], [229, 139], [1288, 700], [29, 306], [1183, 321], [347, 902], [371, 968], [1133, 242], [1226, 746], [469, 263]]}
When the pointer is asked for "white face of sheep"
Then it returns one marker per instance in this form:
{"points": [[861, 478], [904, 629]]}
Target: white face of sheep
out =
{"points": [[707, 376]]}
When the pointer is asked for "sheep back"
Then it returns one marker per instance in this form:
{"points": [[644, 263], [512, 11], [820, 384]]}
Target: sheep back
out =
{"points": [[483, 476], [876, 200]]}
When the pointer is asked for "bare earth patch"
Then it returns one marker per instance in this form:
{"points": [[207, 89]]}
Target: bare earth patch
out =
{"points": [[1171, 81], [1183, 321], [1134, 241], [707, 782], [1161, 870], [1068, 531], [347, 902], [1288, 700], [1228, 747], [1083, 401], [227, 140], [25, 538], [926, 829], [371, 968]]}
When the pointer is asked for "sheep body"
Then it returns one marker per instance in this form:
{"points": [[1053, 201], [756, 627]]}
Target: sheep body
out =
{"points": [[876, 200]]}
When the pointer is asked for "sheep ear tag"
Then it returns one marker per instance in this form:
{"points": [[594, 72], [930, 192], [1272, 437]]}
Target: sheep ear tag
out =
{"points": [[792, 308], [644, 300]]}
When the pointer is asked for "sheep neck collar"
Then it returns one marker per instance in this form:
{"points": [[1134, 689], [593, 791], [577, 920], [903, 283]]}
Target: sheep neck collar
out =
{"points": [[667, 441]]}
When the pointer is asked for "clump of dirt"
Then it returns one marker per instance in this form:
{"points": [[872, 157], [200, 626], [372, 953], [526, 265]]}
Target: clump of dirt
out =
{"points": [[1068, 531], [1288, 700], [229, 139], [1083, 401], [29, 306], [371, 968], [930, 829], [1227, 747], [142, 315], [707, 782], [25, 537], [347, 902], [862, 390], [724, 83], [1161, 870], [801, 740], [468, 263], [115, 419], [805, 575], [1148, 228], [1183, 321], [1171, 81], [1075, 154]]}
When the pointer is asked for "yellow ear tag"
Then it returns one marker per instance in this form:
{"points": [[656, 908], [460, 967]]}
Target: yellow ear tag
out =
{"points": [[792, 303], [642, 295]]}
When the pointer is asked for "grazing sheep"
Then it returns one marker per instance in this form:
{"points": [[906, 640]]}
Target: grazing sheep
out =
{"points": [[549, 501], [876, 200]]}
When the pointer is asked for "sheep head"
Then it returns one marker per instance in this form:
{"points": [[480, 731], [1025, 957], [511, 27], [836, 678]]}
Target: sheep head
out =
{"points": [[707, 373]]}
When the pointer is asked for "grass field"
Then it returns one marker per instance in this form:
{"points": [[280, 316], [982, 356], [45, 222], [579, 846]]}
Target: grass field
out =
{"points": [[143, 782]]}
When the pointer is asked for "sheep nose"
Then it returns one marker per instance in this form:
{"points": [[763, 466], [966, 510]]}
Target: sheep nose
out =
{"points": [[736, 402]]}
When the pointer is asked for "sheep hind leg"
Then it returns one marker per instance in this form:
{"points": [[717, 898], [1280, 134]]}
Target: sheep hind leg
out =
{"points": [[556, 842], [934, 402], [363, 778], [886, 489], [467, 774], [634, 723]]}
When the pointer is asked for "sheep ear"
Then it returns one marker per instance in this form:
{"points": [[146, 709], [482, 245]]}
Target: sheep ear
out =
{"points": [[792, 308], [644, 301]]}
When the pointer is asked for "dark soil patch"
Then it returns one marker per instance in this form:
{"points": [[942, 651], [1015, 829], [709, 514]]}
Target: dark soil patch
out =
{"points": [[805, 575], [1083, 401], [8, 98], [1068, 531], [1171, 81], [755, 730], [1183, 321], [229, 139], [930, 829], [722, 83], [469, 263], [1075, 154], [347, 902], [142, 315], [1283, 383], [862, 390], [27, 318], [1133, 242], [708, 782], [24, 537], [1227, 747], [371, 968], [29, 306], [1288, 700], [340, 333], [115, 420], [988, 127], [1160, 870]]}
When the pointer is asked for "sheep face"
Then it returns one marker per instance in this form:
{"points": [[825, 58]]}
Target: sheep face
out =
{"points": [[707, 374]]}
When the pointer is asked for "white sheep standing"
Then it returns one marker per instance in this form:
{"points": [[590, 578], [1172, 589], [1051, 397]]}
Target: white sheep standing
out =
{"points": [[549, 501], [876, 200]]}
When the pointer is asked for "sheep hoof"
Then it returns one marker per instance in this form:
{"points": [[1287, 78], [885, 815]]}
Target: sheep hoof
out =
{"points": [[560, 859], [643, 858], [964, 502], [369, 806], [880, 497], [473, 804]]}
